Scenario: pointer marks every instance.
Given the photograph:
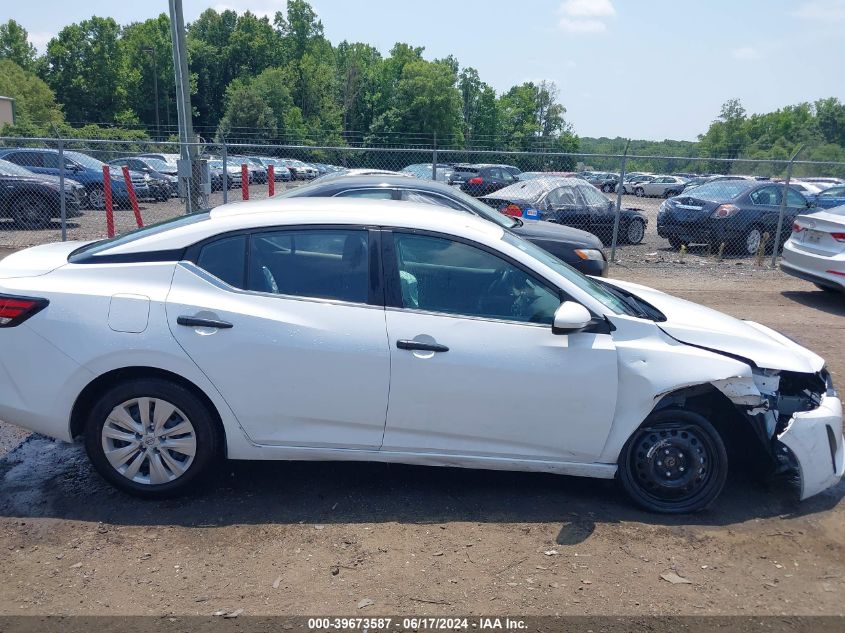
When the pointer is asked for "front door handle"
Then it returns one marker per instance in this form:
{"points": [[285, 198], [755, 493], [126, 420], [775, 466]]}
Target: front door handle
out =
{"points": [[197, 322], [420, 346]]}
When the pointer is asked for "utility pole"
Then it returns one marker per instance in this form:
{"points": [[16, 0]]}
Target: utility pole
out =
{"points": [[188, 171], [152, 54]]}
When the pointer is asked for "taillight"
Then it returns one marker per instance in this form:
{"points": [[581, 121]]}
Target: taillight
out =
{"points": [[724, 211], [839, 237], [797, 228], [512, 210], [16, 310], [475, 181]]}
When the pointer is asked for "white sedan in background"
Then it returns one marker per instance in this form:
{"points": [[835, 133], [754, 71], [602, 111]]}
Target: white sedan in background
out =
{"points": [[340, 329], [662, 186], [816, 249]]}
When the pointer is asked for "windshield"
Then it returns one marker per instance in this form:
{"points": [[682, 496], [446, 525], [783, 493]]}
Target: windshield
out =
{"points": [[159, 227], [10, 169], [85, 160], [721, 189], [601, 293], [156, 164]]}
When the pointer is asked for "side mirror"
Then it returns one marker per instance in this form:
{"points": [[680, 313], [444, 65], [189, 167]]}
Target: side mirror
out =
{"points": [[570, 317]]}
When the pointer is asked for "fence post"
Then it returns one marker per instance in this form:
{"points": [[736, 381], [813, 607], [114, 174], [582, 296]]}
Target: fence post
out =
{"points": [[271, 181], [782, 211], [62, 201], [133, 199], [225, 173], [434, 159], [108, 201], [619, 187], [244, 181]]}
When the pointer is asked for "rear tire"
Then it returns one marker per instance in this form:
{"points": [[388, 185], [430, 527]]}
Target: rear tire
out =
{"points": [[151, 438], [97, 198], [675, 463], [639, 192]]}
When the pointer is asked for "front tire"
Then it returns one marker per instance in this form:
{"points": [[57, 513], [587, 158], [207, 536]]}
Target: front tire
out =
{"points": [[676, 463], [639, 192], [30, 213], [151, 438]]}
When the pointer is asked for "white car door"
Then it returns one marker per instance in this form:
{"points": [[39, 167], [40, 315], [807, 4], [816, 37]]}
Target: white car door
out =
{"points": [[290, 328], [475, 367]]}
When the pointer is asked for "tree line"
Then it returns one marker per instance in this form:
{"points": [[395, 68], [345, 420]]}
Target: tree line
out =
{"points": [[281, 80]]}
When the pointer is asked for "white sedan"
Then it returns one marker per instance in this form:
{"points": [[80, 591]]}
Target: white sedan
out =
{"points": [[816, 249], [339, 329]]}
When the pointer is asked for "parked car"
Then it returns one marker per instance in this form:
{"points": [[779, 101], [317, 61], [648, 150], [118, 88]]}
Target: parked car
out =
{"points": [[734, 212], [162, 186], [831, 197], [32, 200], [424, 170], [660, 186], [361, 171], [169, 159], [577, 248], [695, 182], [234, 174], [478, 180], [631, 181], [604, 181], [255, 168], [571, 202], [815, 251], [280, 171], [300, 170], [84, 169], [391, 332], [824, 182], [808, 189]]}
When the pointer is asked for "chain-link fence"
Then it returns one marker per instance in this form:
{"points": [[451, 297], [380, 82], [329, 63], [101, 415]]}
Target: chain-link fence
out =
{"points": [[648, 210]]}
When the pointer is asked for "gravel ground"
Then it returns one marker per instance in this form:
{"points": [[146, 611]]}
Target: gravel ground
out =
{"points": [[320, 538]]}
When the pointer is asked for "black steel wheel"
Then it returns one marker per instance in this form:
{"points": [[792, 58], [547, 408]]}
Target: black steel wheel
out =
{"points": [[675, 463]]}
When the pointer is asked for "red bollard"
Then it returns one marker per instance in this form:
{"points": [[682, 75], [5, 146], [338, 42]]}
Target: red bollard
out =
{"points": [[133, 199], [245, 181], [271, 181], [108, 200]]}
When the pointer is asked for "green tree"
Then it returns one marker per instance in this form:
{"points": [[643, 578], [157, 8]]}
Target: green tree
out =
{"points": [[358, 68], [15, 45], [149, 55], [35, 103], [830, 115], [87, 69], [532, 117]]}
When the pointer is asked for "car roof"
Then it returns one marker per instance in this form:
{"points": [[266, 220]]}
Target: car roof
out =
{"points": [[377, 179], [274, 212]]}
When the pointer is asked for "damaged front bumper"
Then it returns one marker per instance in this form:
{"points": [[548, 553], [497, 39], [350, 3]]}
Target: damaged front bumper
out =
{"points": [[813, 441]]}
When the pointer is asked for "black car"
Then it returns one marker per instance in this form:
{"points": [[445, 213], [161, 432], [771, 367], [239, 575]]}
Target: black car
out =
{"points": [[162, 185], [32, 200], [479, 180], [736, 213], [577, 248], [569, 201]]}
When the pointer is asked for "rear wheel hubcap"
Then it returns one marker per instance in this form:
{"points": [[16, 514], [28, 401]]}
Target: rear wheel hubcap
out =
{"points": [[149, 441]]}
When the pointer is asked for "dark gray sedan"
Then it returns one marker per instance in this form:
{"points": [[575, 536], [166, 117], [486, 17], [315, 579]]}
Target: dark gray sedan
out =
{"points": [[578, 248]]}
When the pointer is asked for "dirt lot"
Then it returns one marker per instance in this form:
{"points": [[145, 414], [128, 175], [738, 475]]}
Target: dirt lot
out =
{"points": [[277, 538]]}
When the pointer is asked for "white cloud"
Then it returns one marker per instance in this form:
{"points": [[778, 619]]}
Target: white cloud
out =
{"points": [[40, 40], [585, 16], [827, 10], [746, 53]]}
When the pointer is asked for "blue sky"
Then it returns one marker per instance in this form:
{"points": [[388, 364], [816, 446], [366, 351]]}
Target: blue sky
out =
{"points": [[649, 69]]}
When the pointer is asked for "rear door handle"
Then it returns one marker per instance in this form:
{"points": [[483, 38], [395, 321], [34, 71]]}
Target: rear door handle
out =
{"points": [[196, 322], [420, 346]]}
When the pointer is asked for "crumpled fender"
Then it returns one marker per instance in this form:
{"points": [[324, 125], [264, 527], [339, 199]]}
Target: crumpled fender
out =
{"points": [[652, 364]]}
